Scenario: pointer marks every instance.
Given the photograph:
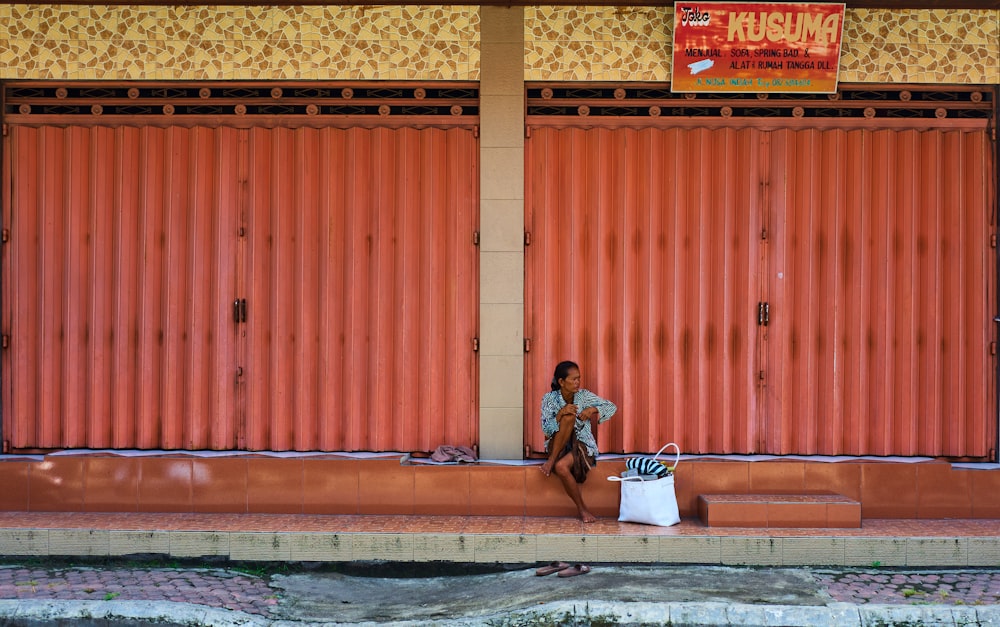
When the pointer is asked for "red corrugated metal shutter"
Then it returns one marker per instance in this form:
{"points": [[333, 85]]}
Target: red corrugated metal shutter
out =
{"points": [[363, 289], [651, 250], [353, 249], [643, 269], [116, 282], [882, 283]]}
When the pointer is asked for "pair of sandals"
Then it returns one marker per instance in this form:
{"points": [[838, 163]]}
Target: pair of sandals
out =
{"points": [[563, 569]]}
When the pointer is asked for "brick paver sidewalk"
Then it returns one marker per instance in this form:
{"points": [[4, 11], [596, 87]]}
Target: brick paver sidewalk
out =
{"points": [[210, 587], [235, 590], [950, 587]]}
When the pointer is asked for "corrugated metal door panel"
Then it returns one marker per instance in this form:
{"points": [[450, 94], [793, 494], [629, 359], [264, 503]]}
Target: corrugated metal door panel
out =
{"points": [[880, 320], [187, 337], [120, 342], [643, 269], [360, 259]]}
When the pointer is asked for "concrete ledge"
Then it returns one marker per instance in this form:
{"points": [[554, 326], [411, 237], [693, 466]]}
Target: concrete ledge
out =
{"points": [[693, 614], [509, 548]]}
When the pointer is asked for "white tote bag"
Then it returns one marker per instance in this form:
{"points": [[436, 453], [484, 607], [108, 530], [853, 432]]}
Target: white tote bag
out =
{"points": [[650, 502]]}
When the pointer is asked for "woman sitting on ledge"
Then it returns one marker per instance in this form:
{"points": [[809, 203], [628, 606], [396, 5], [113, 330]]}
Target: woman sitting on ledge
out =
{"points": [[570, 416]]}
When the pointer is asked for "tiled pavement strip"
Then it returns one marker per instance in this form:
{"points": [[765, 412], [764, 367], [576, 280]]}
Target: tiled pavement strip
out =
{"points": [[236, 590], [232, 597], [912, 572]]}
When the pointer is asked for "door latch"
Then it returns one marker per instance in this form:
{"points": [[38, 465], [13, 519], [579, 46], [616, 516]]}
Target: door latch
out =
{"points": [[240, 310], [763, 314]]}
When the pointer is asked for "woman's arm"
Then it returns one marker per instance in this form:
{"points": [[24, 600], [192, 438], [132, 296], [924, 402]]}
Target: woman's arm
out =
{"points": [[605, 408]]}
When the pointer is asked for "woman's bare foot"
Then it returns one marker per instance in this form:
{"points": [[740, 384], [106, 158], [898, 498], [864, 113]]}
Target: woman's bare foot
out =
{"points": [[547, 467], [587, 517]]}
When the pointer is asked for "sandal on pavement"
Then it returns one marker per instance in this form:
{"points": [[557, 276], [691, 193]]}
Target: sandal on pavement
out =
{"points": [[576, 569], [551, 567]]}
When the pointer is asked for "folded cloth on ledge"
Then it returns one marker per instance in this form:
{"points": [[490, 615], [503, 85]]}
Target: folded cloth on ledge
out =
{"points": [[445, 453]]}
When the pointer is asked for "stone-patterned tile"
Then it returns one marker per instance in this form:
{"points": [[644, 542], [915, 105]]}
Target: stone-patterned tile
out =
{"points": [[252, 22], [214, 60], [287, 57], [49, 59], [441, 43], [208, 42], [251, 60], [174, 59], [93, 22], [116, 59], [956, 27], [142, 23], [647, 24], [299, 23], [53, 22], [196, 23], [453, 24]]}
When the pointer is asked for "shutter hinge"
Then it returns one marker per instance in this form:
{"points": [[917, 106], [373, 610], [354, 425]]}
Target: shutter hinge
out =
{"points": [[475, 345], [763, 234], [4, 340], [527, 132], [475, 238], [527, 238], [993, 240], [475, 131], [5, 130], [527, 344], [6, 447], [760, 377], [5, 235], [993, 348]]}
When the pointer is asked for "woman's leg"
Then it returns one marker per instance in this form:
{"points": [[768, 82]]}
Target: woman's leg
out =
{"points": [[564, 470], [559, 441], [562, 463]]}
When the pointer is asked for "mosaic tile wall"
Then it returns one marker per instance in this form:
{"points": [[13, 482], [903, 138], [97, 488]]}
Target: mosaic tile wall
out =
{"points": [[633, 43], [232, 43], [442, 43]]}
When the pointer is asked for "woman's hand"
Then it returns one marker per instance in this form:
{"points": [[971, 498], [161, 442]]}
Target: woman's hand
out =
{"points": [[590, 414], [568, 410]]}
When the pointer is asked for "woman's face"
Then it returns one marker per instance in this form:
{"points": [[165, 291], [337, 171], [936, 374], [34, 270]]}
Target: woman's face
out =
{"points": [[571, 383]]}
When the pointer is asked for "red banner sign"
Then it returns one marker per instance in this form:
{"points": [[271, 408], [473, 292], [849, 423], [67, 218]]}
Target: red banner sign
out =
{"points": [[729, 47]]}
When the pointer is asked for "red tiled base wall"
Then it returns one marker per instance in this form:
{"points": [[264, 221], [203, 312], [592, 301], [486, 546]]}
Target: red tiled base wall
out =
{"points": [[255, 484], [779, 510]]}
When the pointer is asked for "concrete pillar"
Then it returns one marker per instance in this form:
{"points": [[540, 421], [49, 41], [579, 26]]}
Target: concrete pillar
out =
{"points": [[501, 254]]}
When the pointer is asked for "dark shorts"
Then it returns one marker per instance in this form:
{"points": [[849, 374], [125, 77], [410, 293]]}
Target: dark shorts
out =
{"points": [[591, 459]]}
